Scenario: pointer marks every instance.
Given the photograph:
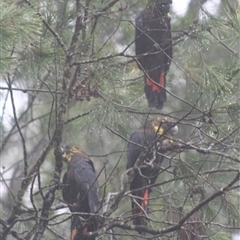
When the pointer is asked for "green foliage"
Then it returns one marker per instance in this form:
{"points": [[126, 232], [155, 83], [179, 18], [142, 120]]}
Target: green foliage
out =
{"points": [[204, 77], [18, 28]]}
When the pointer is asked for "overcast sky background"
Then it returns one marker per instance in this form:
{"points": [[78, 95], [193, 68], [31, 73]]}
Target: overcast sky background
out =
{"points": [[180, 6]]}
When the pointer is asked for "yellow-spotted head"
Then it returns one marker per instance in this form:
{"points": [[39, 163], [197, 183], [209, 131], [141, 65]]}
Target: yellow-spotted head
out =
{"points": [[164, 125], [69, 151]]}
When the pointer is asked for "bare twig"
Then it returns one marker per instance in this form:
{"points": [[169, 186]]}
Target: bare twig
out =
{"points": [[55, 34], [18, 127]]}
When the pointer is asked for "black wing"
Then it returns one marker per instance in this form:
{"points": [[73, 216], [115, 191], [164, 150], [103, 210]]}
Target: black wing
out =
{"points": [[135, 147], [150, 31], [138, 182], [81, 186], [89, 184], [140, 46], [168, 46]]}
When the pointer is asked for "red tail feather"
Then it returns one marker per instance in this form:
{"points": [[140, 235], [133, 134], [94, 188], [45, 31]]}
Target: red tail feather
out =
{"points": [[145, 199], [162, 80], [73, 234], [155, 87]]}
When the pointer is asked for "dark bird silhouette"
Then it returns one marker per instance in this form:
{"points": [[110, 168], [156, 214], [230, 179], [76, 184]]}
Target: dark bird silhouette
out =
{"points": [[154, 49], [80, 192], [146, 142]]}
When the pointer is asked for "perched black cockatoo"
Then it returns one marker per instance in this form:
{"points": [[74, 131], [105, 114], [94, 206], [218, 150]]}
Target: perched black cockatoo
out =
{"points": [[80, 192], [154, 49], [147, 142]]}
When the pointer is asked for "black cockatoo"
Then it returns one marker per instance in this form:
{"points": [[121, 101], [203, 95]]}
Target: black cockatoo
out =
{"points": [[154, 49], [147, 142], [80, 192]]}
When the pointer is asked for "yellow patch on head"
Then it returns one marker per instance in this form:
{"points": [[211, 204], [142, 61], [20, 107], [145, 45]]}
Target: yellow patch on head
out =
{"points": [[67, 157], [157, 127], [75, 150], [158, 130], [69, 152], [161, 124]]}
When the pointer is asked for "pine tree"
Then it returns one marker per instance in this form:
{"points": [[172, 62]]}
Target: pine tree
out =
{"points": [[69, 76]]}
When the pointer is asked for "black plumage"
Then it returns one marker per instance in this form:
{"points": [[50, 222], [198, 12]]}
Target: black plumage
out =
{"points": [[80, 192], [147, 142], [154, 49]]}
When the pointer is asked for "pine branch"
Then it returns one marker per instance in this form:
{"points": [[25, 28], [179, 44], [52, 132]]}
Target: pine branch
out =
{"points": [[54, 33]]}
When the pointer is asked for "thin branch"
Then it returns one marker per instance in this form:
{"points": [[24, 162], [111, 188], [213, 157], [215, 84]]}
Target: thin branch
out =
{"points": [[18, 127], [123, 225], [55, 34], [236, 54], [102, 11], [57, 136], [78, 116], [24, 185], [30, 104]]}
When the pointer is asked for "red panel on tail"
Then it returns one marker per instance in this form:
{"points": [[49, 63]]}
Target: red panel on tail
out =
{"points": [[145, 199], [161, 79], [73, 234], [155, 87]]}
